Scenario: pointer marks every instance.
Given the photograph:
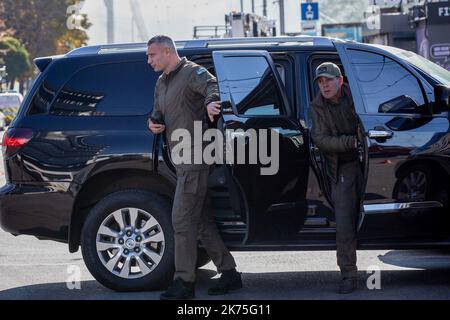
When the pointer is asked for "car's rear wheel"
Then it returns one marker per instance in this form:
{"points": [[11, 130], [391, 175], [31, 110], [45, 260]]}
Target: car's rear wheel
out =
{"points": [[127, 241]]}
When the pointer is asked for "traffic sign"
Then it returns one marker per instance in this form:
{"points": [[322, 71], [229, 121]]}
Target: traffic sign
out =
{"points": [[310, 11]]}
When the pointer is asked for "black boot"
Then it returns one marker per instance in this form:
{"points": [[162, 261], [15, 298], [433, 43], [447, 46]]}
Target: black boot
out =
{"points": [[229, 280], [347, 285], [179, 290]]}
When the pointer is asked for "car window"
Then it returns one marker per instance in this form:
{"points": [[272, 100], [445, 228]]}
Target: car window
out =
{"points": [[124, 88], [431, 69], [48, 84], [44, 94], [282, 64], [252, 86], [385, 85]]}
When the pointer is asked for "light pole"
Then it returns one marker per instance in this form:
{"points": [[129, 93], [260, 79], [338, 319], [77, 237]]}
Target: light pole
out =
{"points": [[110, 21], [282, 23]]}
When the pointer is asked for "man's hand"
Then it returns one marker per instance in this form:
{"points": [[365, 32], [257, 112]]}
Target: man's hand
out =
{"points": [[155, 127], [213, 109]]}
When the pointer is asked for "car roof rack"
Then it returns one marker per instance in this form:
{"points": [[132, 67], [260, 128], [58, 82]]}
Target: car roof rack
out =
{"points": [[205, 43], [124, 47], [279, 41]]}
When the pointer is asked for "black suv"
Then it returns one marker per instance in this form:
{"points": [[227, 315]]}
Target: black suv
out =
{"points": [[83, 168]]}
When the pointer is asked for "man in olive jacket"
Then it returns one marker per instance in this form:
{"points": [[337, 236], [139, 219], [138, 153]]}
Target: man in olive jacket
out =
{"points": [[335, 131], [184, 94]]}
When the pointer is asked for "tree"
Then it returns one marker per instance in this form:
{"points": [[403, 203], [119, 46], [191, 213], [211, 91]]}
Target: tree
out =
{"points": [[41, 25], [16, 59], [3, 33]]}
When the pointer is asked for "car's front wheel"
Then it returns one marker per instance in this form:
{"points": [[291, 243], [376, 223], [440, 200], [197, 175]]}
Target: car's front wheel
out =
{"points": [[127, 241]]}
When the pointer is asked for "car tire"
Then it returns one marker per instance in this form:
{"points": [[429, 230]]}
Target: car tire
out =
{"points": [[103, 217]]}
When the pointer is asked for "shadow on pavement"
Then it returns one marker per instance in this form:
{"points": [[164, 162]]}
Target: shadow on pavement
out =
{"points": [[418, 259], [395, 284]]}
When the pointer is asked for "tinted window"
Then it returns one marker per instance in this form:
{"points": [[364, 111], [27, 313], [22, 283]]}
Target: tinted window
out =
{"points": [[253, 86], [108, 89], [428, 67], [44, 94], [385, 85]]}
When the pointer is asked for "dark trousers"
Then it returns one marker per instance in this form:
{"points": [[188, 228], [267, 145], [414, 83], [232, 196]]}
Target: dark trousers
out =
{"points": [[192, 221], [345, 194]]}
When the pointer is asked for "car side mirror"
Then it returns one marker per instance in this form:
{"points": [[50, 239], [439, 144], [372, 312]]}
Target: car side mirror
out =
{"points": [[441, 99], [400, 104]]}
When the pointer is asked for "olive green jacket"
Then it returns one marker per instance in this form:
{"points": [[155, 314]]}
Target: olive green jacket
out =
{"points": [[335, 129], [182, 96]]}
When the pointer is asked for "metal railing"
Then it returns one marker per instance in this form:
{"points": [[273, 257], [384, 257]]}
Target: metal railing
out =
{"points": [[210, 31]]}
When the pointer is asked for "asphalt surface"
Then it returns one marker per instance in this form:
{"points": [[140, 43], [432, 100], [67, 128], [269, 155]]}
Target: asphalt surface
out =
{"points": [[35, 269]]}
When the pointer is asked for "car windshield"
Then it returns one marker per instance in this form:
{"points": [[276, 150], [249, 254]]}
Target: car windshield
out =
{"points": [[432, 69], [8, 101]]}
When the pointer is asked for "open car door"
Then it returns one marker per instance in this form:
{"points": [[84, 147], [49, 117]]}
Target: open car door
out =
{"points": [[260, 126]]}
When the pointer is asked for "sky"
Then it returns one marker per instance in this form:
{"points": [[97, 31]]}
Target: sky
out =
{"points": [[177, 18]]}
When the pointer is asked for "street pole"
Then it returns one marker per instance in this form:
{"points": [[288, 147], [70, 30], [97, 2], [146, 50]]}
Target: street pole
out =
{"points": [[242, 5], [265, 8], [281, 3], [253, 6], [109, 21]]}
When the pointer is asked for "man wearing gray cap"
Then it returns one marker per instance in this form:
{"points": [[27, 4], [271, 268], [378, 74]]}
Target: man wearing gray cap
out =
{"points": [[335, 131]]}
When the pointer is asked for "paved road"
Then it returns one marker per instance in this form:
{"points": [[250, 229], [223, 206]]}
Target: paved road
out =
{"points": [[34, 269]]}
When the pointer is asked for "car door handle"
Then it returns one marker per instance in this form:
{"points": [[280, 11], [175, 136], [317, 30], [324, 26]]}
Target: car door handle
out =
{"points": [[380, 134]]}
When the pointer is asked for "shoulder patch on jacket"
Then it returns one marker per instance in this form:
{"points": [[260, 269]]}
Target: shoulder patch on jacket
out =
{"points": [[201, 70]]}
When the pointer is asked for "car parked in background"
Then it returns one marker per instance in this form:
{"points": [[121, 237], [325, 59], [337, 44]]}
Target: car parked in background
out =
{"points": [[2, 121], [9, 105]]}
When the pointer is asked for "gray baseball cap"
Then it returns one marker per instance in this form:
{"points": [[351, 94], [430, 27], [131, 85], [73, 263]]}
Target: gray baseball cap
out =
{"points": [[327, 69]]}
